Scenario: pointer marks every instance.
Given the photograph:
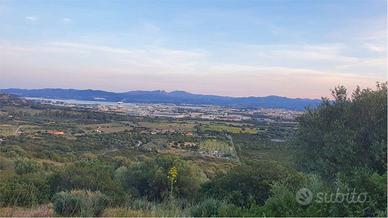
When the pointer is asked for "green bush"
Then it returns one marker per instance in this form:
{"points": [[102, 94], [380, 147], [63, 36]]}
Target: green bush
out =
{"points": [[345, 133], [80, 203], [6, 164], [212, 207], [13, 192], [141, 204], [249, 183], [91, 175], [283, 198], [207, 208], [149, 179], [23, 166], [367, 181], [24, 190]]}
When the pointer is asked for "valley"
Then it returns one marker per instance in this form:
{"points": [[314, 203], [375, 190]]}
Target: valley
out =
{"points": [[196, 132], [77, 158]]}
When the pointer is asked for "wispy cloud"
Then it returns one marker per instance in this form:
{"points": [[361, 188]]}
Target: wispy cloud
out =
{"points": [[31, 19], [66, 20], [375, 47], [69, 64]]}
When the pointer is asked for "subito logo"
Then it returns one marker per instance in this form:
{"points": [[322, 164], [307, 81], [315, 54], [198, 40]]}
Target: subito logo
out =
{"points": [[304, 196]]}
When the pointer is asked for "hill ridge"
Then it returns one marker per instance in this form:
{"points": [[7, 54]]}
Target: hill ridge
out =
{"points": [[161, 96]]}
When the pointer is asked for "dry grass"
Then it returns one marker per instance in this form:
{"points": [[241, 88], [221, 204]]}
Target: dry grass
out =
{"points": [[7, 130], [39, 211], [126, 212], [154, 211]]}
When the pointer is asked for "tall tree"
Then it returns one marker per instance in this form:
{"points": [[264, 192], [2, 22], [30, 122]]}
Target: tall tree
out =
{"points": [[345, 133]]}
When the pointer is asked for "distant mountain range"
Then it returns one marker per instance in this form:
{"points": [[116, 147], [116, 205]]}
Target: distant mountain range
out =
{"points": [[11, 100], [175, 97]]}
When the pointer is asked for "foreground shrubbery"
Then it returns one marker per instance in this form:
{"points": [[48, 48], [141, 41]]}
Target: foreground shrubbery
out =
{"points": [[249, 183], [145, 208], [211, 207], [24, 190], [91, 175], [329, 199], [80, 203], [149, 179]]}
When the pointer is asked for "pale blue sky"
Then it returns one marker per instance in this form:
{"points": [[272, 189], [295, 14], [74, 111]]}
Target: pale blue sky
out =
{"points": [[227, 47]]}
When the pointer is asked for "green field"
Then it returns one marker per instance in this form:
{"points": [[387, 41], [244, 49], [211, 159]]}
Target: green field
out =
{"points": [[105, 127], [215, 145], [229, 128], [176, 126]]}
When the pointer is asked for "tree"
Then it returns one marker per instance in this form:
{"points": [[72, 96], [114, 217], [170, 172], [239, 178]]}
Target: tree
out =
{"points": [[345, 133]]}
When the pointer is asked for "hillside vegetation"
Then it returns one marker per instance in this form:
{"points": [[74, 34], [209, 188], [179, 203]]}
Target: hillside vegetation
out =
{"points": [[58, 161]]}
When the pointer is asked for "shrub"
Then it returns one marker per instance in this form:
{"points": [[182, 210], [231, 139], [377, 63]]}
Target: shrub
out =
{"points": [[14, 192], [345, 133], [80, 203], [141, 204], [6, 164], [248, 184], [212, 207], [144, 208], [23, 166], [24, 190], [149, 179], [87, 174], [206, 208], [91, 175], [367, 181], [67, 204], [283, 199]]}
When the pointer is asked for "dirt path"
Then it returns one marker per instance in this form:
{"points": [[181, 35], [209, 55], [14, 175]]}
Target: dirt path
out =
{"points": [[17, 133], [233, 146]]}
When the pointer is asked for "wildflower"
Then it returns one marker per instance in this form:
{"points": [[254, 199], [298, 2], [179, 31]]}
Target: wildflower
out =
{"points": [[172, 177]]}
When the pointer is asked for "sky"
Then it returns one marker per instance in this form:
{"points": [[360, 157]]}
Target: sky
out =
{"points": [[293, 48]]}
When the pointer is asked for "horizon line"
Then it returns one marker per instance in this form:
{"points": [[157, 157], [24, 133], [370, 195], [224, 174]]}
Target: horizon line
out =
{"points": [[156, 90]]}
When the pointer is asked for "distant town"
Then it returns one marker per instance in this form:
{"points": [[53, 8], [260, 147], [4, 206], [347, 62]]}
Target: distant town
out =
{"points": [[202, 112]]}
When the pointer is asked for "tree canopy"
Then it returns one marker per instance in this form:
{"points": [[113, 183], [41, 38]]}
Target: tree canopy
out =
{"points": [[345, 133]]}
